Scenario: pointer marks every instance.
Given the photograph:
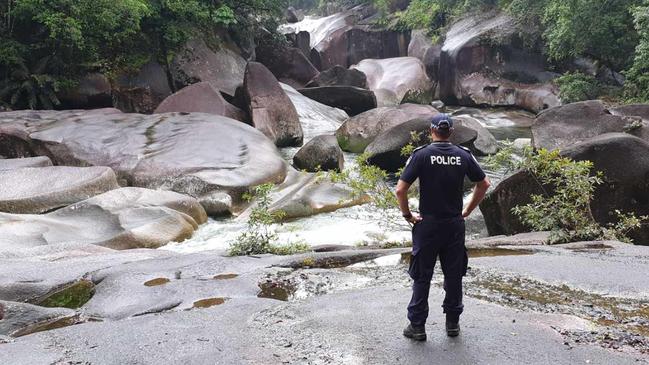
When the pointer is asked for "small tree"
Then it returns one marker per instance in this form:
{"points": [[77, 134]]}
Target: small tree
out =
{"points": [[260, 237]]}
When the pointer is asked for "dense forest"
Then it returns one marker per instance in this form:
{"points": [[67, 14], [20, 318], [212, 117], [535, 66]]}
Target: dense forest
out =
{"points": [[46, 45]]}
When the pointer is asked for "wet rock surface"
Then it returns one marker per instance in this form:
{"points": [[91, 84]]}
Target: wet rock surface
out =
{"points": [[543, 304], [358, 132], [397, 80], [206, 156], [43, 189]]}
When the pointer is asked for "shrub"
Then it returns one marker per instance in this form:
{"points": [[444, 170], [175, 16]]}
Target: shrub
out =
{"points": [[564, 207], [574, 87]]}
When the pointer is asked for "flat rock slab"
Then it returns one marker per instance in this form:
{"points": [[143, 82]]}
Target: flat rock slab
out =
{"points": [[42, 189], [119, 219], [19, 163], [202, 155], [20, 319]]}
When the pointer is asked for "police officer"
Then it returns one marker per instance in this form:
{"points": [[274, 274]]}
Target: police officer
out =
{"points": [[439, 231]]}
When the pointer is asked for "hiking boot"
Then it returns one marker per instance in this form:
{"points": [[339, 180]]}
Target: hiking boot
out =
{"points": [[417, 333], [452, 328]]}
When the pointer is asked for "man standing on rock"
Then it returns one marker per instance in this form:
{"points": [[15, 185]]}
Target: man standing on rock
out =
{"points": [[439, 230]]}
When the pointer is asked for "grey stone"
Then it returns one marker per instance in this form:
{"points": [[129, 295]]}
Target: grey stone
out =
{"points": [[19, 163], [352, 100], [201, 97], [22, 319], [195, 154], [270, 108], [359, 131], [42, 189], [119, 219], [322, 153], [143, 91], [339, 76]]}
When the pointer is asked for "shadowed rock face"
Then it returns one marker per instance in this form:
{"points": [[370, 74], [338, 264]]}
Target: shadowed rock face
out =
{"points": [[385, 150], [359, 131], [340, 76], [622, 158], [352, 100], [209, 157], [42, 189], [289, 65], [93, 91], [223, 68], [490, 42], [322, 153], [397, 80], [120, 219], [20, 163], [23, 319], [201, 97], [144, 91], [421, 46], [270, 108], [569, 124]]}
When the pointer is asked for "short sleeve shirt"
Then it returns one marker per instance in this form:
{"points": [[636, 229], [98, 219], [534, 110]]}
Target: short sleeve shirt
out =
{"points": [[441, 168]]}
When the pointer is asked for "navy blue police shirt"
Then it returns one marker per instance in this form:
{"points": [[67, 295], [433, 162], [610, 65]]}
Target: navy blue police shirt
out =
{"points": [[441, 168]]}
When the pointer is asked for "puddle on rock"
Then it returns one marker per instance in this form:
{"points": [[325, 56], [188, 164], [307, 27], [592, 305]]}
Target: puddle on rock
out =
{"points": [[48, 326], [157, 282], [209, 302], [225, 276], [278, 290], [496, 252]]}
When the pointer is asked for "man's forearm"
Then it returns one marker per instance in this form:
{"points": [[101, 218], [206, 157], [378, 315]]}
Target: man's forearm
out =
{"points": [[402, 197], [478, 195]]}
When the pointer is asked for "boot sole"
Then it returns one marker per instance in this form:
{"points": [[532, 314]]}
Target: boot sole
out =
{"points": [[453, 333], [416, 337]]}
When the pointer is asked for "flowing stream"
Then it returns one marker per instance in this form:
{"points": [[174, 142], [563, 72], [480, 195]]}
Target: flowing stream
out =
{"points": [[359, 225]]}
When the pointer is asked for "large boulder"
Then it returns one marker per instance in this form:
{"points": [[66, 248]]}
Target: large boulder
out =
{"points": [[119, 219], [223, 68], [143, 91], [624, 188], [322, 153], [212, 158], [385, 150], [624, 160], [486, 143], [481, 90], [316, 118], [288, 64], [497, 206], [339, 76], [359, 131], [508, 73], [352, 100], [422, 47], [93, 91], [42, 189], [304, 194], [397, 80], [563, 126], [20, 163], [270, 108], [637, 117], [201, 97], [339, 39]]}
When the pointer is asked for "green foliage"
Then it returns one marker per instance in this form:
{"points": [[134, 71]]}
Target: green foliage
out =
{"points": [[564, 207], [259, 236], [637, 83], [574, 87]]}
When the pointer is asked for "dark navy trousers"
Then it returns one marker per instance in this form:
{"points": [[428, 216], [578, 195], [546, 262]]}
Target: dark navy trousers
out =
{"points": [[431, 239]]}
